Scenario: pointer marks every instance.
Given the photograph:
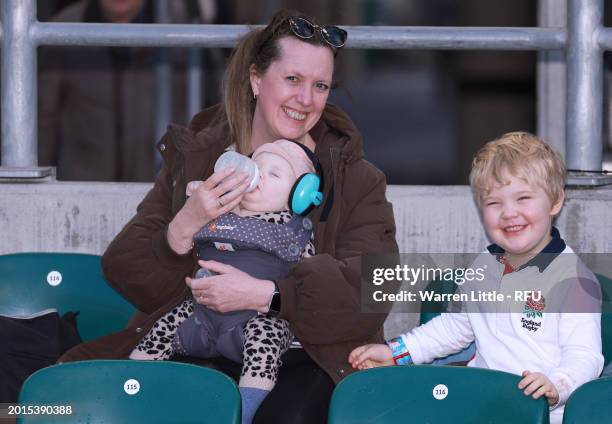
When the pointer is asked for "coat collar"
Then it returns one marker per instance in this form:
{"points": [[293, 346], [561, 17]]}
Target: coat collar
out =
{"points": [[334, 130], [553, 249]]}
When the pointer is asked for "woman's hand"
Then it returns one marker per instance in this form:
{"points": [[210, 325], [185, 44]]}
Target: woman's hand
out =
{"points": [[219, 194], [231, 290], [537, 384], [371, 356]]}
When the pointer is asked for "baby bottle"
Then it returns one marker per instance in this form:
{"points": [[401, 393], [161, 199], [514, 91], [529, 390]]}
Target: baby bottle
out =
{"points": [[241, 163]]}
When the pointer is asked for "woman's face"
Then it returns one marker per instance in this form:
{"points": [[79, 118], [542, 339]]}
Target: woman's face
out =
{"points": [[292, 93]]}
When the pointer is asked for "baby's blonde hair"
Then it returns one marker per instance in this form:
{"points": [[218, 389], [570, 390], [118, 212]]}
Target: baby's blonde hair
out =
{"points": [[524, 156]]}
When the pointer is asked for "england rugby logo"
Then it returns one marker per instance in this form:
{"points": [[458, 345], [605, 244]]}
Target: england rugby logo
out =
{"points": [[533, 313]]}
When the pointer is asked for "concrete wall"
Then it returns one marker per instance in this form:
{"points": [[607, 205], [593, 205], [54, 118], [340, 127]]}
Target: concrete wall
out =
{"points": [[84, 217]]}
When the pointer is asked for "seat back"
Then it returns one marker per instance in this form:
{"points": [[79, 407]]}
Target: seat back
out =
{"points": [[408, 394], [124, 391], [606, 317], [33, 282], [590, 403], [431, 309]]}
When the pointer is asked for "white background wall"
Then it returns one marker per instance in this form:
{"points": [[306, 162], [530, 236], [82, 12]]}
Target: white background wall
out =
{"points": [[84, 218]]}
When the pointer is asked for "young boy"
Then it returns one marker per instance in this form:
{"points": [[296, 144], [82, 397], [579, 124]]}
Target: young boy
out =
{"points": [[553, 341]]}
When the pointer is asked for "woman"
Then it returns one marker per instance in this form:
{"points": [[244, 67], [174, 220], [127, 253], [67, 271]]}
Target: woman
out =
{"points": [[277, 85]]}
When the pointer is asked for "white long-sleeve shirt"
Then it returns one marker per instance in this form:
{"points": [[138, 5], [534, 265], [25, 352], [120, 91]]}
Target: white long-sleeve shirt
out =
{"points": [[564, 344]]}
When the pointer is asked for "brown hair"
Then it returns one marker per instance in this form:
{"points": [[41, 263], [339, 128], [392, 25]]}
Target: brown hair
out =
{"points": [[259, 48], [523, 155]]}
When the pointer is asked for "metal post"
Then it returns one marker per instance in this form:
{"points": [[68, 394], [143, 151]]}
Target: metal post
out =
{"points": [[584, 92], [195, 93], [19, 98], [198, 13], [551, 78], [163, 83], [605, 42]]}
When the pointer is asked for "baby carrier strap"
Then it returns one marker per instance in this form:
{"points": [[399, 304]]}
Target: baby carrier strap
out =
{"points": [[232, 232]]}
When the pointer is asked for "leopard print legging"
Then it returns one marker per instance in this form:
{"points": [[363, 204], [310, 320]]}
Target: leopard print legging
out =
{"points": [[266, 339]]}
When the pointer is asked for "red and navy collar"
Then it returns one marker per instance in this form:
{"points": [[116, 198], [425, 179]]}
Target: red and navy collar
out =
{"points": [[553, 249]]}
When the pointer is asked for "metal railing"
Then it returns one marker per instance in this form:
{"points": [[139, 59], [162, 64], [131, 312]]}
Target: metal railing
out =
{"points": [[583, 39]]}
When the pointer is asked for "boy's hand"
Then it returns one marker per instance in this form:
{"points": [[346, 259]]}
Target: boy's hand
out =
{"points": [[371, 356], [537, 384]]}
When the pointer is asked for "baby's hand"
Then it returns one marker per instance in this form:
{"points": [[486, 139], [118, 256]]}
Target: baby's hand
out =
{"points": [[371, 356], [537, 384]]}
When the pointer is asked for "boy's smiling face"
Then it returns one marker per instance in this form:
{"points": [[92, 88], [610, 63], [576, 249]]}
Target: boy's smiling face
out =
{"points": [[518, 217]]}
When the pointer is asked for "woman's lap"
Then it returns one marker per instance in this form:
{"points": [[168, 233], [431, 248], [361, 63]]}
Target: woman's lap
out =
{"points": [[301, 395]]}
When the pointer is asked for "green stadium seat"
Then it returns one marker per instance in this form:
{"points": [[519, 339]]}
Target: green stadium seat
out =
{"points": [[30, 283], [406, 394], [606, 318], [431, 309], [590, 403], [124, 391]]}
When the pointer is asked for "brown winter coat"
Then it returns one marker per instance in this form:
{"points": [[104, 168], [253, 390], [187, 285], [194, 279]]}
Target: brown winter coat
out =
{"points": [[320, 298]]}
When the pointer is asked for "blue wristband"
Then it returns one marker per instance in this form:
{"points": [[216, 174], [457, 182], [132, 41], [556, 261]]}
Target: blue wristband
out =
{"points": [[401, 355]]}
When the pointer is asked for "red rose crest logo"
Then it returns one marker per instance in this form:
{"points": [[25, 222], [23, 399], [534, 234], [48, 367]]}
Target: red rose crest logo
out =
{"points": [[534, 307]]}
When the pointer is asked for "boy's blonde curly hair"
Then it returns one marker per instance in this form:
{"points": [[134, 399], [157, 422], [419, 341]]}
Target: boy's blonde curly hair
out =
{"points": [[524, 156]]}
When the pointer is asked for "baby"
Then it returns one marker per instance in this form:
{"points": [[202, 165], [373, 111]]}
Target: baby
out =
{"points": [[263, 236]]}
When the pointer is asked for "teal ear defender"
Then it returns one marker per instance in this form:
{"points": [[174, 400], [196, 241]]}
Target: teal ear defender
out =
{"points": [[307, 192]]}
